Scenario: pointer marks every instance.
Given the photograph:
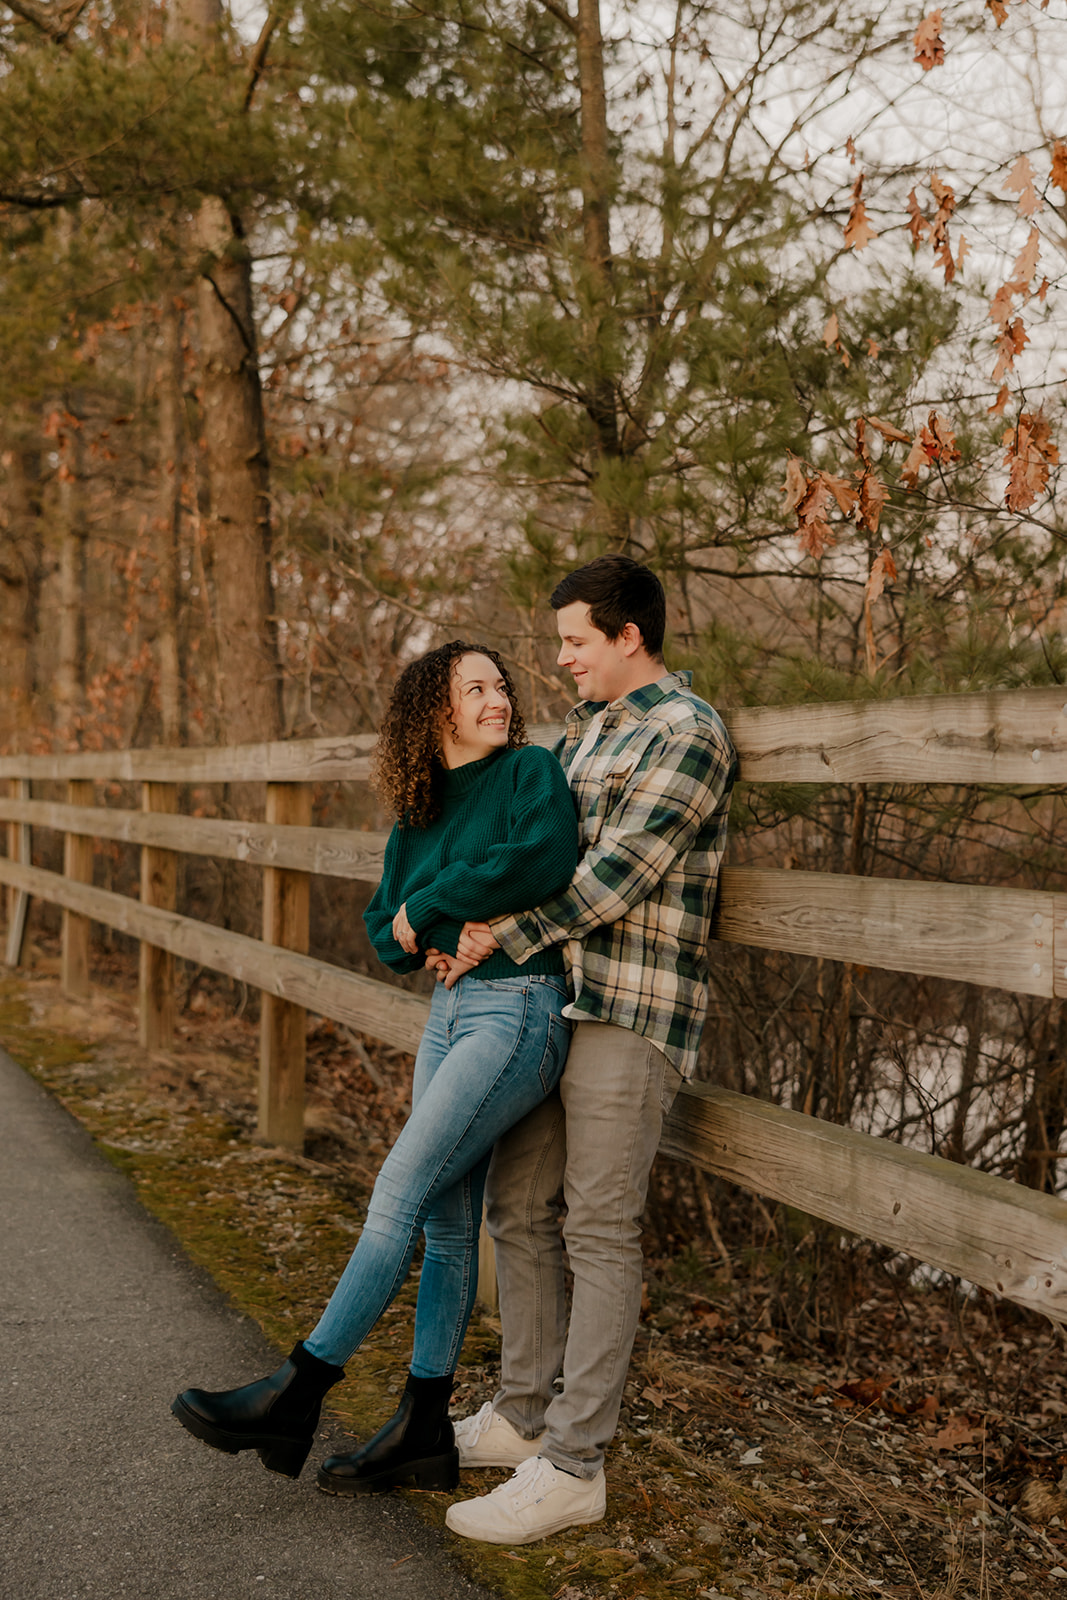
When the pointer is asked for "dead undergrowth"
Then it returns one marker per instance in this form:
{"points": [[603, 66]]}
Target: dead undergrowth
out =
{"points": [[929, 1463]]}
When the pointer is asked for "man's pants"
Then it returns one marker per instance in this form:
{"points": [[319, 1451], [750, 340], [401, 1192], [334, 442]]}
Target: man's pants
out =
{"points": [[596, 1137]]}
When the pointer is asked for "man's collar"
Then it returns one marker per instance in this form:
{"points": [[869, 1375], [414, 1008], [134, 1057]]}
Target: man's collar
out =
{"points": [[638, 700]]}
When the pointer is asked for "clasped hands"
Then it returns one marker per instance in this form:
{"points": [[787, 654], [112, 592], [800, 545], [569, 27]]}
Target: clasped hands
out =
{"points": [[476, 941]]}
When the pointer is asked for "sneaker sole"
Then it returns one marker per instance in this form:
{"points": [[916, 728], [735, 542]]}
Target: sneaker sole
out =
{"points": [[502, 1537]]}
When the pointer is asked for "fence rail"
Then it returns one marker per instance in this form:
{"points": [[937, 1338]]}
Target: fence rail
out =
{"points": [[992, 1232]]}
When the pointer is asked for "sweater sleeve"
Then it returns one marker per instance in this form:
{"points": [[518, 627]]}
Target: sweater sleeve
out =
{"points": [[535, 861], [384, 906]]}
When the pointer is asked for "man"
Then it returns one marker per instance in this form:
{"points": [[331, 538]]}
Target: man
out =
{"points": [[651, 768]]}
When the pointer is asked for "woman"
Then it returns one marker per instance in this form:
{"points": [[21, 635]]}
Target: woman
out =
{"points": [[485, 824]]}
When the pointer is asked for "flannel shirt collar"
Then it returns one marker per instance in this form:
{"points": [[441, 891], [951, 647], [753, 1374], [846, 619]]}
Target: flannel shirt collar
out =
{"points": [[637, 703]]}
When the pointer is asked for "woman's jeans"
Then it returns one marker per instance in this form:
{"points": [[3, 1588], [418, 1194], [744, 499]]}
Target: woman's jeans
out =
{"points": [[492, 1050]]}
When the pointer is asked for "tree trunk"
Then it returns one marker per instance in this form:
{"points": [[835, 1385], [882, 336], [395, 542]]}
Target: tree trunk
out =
{"points": [[20, 589], [69, 680], [231, 400], [171, 475], [601, 402]]}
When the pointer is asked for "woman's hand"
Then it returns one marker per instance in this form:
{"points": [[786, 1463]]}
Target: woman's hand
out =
{"points": [[404, 933]]}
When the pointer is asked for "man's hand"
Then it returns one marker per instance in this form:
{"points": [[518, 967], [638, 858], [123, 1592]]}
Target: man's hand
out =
{"points": [[476, 941], [404, 933], [448, 969]]}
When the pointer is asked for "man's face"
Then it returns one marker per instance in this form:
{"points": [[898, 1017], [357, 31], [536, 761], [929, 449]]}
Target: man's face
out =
{"points": [[601, 667]]}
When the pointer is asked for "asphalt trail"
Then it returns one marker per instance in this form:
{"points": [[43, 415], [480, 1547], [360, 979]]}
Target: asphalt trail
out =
{"points": [[102, 1493]]}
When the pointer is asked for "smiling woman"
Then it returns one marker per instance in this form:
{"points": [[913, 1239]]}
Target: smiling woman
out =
{"points": [[479, 710], [485, 824]]}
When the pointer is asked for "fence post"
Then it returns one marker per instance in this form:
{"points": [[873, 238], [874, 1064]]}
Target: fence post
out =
{"points": [[77, 864], [159, 887], [18, 901], [283, 1026]]}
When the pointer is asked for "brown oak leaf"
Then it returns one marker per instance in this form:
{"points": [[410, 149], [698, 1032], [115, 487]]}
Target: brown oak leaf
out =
{"points": [[929, 46], [796, 484], [1025, 263], [1058, 175], [917, 458], [883, 571], [813, 530], [918, 226], [888, 431], [858, 231], [843, 492], [1009, 345], [1021, 180], [999, 10], [873, 496], [1029, 455]]}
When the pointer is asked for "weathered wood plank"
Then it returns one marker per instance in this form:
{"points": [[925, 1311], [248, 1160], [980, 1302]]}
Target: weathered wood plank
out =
{"points": [[18, 902], [991, 1232], [994, 1233], [975, 934], [282, 761], [1006, 736], [999, 937], [372, 1007], [332, 852], [78, 865], [283, 1025], [159, 887]]}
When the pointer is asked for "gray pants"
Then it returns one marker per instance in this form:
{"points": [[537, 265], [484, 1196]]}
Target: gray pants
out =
{"points": [[595, 1137]]}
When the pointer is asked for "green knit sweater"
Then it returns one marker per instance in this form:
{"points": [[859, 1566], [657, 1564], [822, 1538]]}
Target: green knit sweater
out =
{"points": [[506, 839]]}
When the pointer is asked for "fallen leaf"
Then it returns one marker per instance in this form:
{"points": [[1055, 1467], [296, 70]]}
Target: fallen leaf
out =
{"points": [[957, 1432]]}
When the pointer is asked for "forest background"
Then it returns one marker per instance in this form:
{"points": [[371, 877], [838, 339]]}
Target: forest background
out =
{"points": [[332, 331]]}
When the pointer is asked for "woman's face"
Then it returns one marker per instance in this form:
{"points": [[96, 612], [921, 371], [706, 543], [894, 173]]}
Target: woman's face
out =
{"points": [[480, 712]]}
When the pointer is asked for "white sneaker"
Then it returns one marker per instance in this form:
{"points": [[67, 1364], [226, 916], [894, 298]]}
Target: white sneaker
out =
{"points": [[537, 1500], [487, 1440]]}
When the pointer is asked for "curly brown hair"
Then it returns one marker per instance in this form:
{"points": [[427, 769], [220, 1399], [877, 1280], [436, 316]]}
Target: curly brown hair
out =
{"points": [[407, 761]]}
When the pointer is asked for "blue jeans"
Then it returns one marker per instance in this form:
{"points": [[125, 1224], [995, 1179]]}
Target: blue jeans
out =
{"points": [[492, 1050]]}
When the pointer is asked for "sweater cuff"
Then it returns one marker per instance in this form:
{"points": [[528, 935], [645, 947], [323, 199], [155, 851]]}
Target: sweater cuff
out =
{"points": [[421, 910]]}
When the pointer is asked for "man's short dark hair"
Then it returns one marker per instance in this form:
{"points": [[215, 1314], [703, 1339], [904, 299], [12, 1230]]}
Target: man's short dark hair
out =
{"points": [[617, 589]]}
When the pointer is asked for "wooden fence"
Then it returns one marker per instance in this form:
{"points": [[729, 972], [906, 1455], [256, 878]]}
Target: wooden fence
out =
{"points": [[992, 1232]]}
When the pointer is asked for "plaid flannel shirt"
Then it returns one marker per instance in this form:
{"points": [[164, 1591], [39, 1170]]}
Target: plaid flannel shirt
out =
{"points": [[653, 797]]}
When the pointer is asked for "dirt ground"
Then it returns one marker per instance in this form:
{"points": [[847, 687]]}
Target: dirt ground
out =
{"points": [[931, 1463]]}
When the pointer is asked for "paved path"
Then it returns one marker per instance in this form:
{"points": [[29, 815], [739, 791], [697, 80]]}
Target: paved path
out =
{"points": [[102, 1321]]}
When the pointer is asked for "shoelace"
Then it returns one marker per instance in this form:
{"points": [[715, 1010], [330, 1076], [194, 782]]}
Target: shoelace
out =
{"points": [[478, 1424], [525, 1482]]}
